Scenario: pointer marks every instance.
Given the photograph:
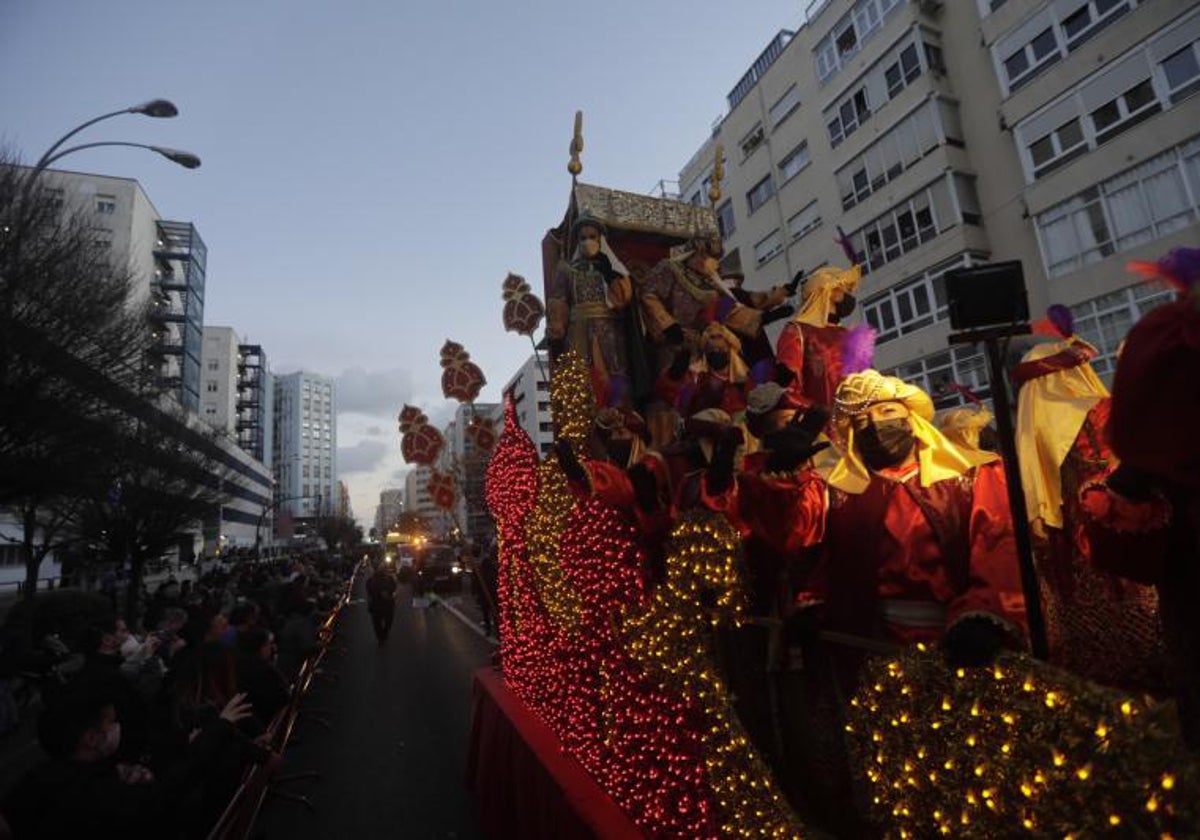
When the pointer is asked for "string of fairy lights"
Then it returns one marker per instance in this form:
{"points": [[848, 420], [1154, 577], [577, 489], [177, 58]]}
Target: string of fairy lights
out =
{"points": [[625, 675]]}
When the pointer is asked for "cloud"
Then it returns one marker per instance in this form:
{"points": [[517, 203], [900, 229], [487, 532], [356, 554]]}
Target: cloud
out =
{"points": [[374, 431], [373, 391], [364, 456]]}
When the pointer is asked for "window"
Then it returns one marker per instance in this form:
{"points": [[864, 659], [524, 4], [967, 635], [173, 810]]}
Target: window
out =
{"points": [[1182, 72], [914, 222], [846, 41], [901, 72], [1124, 112], [725, 220], [787, 103], [327, 471], [851, 113], [752, 141], [902, 146], [1032, 58], [214, 364], [546, 427], [1057, 148], [1104, 321], [759, 193], [768, 247], [210, 409], [796, 160], [936, 374], [1090, 18], [106, 204], [210, 386], [806, 221], [1139, 205], [304, 471], [846, 37]]}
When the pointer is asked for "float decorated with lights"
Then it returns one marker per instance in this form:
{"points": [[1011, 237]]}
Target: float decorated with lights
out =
{"points": [[618, 648]]}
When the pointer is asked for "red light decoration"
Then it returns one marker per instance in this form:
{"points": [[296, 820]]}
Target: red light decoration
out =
{"points": [[523, 310], [462, 379], [481, 432], [420, 443], [442, 489]]}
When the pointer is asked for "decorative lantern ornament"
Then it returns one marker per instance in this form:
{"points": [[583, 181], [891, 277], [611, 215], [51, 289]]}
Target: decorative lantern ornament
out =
{"points": [[523, 310], [441, 489], [462, 379], [420, 443], [481, 432]]}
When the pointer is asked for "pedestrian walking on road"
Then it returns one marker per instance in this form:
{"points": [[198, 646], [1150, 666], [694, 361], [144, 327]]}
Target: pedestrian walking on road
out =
{"points": [[381, 600]]}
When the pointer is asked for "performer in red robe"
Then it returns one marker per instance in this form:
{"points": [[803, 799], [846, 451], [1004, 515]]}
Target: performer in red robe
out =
{"points": [[717, 379], [916, 534], [1145, 520], [1098, 625], [810, 346]]}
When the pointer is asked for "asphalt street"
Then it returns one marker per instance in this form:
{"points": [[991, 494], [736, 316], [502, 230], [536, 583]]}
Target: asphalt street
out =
{"points": [[392, 761]]}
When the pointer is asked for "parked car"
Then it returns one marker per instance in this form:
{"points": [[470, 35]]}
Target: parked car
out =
{"points": [[437, 569]]}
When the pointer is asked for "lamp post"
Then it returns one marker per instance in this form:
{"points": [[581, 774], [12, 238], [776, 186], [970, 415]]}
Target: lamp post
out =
{"points": [[158, 108]]}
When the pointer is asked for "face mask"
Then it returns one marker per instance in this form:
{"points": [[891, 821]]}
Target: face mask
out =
{"points": [[619, 451], [112, 740], [716, 360], [843, 308], [885, 443]]}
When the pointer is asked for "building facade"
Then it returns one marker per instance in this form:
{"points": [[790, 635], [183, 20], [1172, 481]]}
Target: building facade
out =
{"points": [[255, 403], [949, 145], [218, 384], [304, 449], [389, 509], [417, 500], [529, 389], [167, 260]]}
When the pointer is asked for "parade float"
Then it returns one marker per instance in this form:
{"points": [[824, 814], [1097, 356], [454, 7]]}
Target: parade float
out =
{"points": [[622, 704]]}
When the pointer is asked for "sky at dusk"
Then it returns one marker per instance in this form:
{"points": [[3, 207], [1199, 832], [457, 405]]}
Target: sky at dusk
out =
{"points": [[372, 170]]}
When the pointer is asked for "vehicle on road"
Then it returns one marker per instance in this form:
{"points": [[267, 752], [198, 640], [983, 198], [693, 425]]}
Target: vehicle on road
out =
{"points": [[437, 569]]}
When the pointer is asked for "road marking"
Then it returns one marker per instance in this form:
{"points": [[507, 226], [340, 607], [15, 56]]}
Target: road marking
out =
{"points": [[465, 619]]}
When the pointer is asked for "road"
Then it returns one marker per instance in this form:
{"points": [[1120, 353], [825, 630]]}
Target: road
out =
{"points": [[392, 762]]}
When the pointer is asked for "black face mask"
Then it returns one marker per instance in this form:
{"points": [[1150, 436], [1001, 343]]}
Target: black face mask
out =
{"points": [[988, 439], [619, 451], [843, 309], [716, 361], [885, 443]]}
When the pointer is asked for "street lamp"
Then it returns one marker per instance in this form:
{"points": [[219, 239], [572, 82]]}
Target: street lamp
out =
{"points": [[158, 108], [184, 159]]}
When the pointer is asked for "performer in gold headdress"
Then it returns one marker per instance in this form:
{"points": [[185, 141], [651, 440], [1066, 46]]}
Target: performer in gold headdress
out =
{"points": [[1098, 625], [916, 534], [969, 428], [811, 342]]}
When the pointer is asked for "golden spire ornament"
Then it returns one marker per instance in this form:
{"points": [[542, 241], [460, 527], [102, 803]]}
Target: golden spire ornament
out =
{"points": [[718, 173], [575, 166]]}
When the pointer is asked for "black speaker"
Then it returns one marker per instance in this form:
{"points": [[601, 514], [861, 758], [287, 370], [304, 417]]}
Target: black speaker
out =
{"points": [[989, 295]]}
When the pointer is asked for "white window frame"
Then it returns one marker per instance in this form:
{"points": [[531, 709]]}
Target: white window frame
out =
{"points": [[1098, 21], [1193, 82], [810, 225], [774, 247], [890, 220], [1128, 118], [768, 179], [966, 364], [777, 115], [801, 150]]}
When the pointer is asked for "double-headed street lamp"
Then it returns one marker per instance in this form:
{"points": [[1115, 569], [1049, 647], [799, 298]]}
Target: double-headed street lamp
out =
{"points": [[158, 108]]}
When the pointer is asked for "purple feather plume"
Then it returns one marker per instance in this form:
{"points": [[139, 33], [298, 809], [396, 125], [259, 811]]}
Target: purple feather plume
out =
{"points": [[1180, 269], [1062, 319], [858, 349], [763, 371]]}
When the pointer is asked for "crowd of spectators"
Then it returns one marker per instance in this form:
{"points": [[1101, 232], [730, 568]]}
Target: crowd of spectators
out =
{"points": [[147, 733]]}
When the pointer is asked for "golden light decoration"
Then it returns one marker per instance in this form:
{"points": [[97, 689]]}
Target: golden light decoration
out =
{"points": [[672, 640], [572, 400], [1039, 749], [543, 530]]}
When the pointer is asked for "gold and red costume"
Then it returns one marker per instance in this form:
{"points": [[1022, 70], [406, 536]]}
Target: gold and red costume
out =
{"points": [[1098, 625], [701, 388], [906, 553], [1155, 539], [810, 346]]}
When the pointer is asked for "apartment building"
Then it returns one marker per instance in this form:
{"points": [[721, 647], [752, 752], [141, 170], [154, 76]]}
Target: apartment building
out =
{"points": [[930, 133], [305, 445], [529, 389]]}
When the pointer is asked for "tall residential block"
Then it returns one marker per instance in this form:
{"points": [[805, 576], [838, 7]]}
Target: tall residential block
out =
{"points": [[304, 459], [936, 135]]}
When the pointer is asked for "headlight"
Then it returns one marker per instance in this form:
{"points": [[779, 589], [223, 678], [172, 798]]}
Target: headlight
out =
{"points": [[456, 569]]}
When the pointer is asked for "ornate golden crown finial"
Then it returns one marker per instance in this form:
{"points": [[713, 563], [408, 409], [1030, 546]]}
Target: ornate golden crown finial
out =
{"points": [[714, 190], [575, 167]]}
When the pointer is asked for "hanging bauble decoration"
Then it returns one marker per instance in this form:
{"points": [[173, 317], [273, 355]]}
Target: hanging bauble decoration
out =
{"points": [[420, 443], [441, 489], [523, 310], [462, 379]]}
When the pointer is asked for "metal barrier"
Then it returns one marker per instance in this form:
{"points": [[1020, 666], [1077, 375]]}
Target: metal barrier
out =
{"points": [[261, 779]]}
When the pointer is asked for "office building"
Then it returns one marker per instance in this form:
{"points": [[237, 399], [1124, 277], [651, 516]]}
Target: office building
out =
{"points": [[529, 389]]}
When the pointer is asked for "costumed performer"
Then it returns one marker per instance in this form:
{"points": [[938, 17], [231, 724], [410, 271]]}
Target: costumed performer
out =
{"points": [[588, 310], [1145, 520]]}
